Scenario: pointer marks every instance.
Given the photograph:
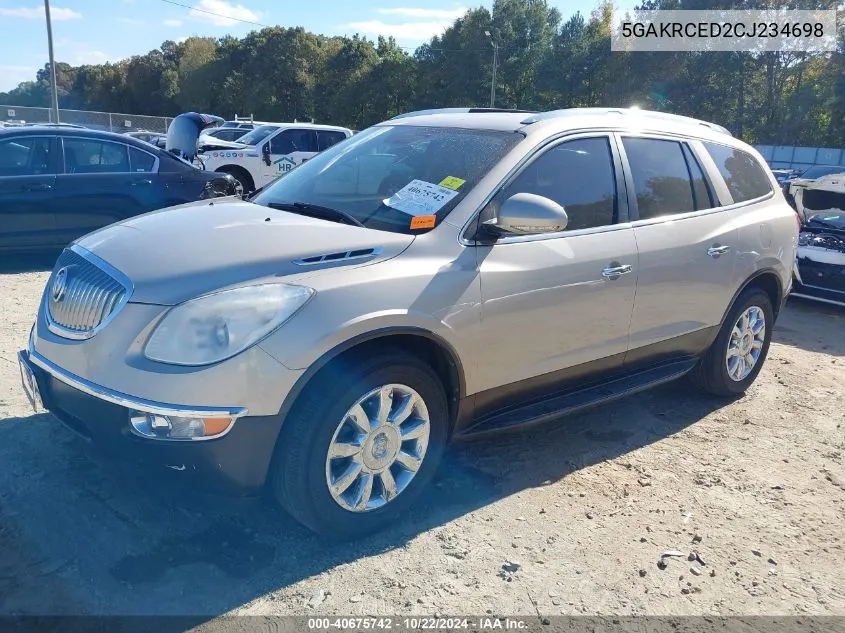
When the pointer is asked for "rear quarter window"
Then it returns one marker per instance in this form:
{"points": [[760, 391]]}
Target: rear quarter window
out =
{"points": [[744, 176]]}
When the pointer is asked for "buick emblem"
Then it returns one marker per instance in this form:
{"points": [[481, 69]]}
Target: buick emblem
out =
{"points": [[59, 285]]}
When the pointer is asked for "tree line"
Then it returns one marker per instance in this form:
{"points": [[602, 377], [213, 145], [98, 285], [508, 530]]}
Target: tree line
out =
{"points": [[544, 62]]}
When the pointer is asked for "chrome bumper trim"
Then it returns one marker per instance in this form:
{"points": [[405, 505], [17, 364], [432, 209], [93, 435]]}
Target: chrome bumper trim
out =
{"points": [[131, 402]]}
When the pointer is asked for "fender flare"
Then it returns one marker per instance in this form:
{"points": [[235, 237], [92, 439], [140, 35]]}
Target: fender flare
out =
{"points": [[350, 343]]}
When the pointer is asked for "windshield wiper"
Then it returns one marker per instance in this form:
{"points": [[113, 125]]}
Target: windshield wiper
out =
{"points": [[316, 211]]}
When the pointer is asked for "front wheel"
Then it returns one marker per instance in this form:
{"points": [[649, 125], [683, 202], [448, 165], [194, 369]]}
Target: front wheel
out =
{"points": [[736, 357], [362, 443]]}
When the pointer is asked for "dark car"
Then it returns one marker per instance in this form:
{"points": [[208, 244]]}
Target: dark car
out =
{"points": [[58, 183]]}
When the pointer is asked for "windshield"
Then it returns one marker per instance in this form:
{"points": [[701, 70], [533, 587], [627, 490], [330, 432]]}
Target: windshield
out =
{"points": [[258, 134], [831, 220], [395, 178], [822, 170]]}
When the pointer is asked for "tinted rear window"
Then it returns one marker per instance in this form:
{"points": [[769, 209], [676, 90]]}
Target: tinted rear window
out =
{"points": [[743, 175]]}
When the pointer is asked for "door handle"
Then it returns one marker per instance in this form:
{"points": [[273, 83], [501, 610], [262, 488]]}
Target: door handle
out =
{"points": [[140, 183], [40, 186], [715, 251], [615, 272]]}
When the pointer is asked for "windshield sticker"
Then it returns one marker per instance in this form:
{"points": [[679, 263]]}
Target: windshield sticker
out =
{"points": [[419, 198], [423, 221], [450, 182]]}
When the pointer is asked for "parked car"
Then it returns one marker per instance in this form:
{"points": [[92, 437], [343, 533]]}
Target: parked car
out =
{"points": [[58, 183], [438, 275], [222, 134], [270, 151], [803, 178], [820, 265]]}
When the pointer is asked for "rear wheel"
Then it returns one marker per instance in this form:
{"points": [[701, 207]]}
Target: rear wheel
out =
{"points": [[736, 357], [355, 453]]}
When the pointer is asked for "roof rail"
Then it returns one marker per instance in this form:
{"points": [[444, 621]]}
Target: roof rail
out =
{"points": [[460, 111], [628, 112]]}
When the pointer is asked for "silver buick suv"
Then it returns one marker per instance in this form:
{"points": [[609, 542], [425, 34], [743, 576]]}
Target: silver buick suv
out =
{"points": [[445, 273]]}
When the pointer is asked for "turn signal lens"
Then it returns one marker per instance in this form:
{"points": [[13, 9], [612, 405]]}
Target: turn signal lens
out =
{"points": [[169, 427]]}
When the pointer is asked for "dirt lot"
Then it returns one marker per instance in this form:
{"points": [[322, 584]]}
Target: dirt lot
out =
{"points": [[585, 507]]}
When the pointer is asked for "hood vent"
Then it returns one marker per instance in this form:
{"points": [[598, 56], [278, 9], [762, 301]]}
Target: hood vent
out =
{"points": [[343, 256]]}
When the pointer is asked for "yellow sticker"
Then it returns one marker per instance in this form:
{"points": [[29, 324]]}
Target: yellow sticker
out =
{"points": [[450, 182], [423, 221]]}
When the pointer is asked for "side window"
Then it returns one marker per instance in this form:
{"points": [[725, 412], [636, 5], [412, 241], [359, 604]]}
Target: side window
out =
{"points": [[700, 190], [327, 138], [661, 178], [743, 175], [291, 141], [89, 156], [579, 176], [26, 156], [140, 161]]}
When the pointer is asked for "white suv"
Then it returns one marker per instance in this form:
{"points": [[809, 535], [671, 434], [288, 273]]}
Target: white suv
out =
{"points": [[270, 151]]}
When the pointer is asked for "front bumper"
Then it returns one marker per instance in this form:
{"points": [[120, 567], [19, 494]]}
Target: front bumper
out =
{"points": [[233, 464]]}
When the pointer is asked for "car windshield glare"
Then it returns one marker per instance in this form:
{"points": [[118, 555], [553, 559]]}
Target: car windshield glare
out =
{"points": [[387, 175]]}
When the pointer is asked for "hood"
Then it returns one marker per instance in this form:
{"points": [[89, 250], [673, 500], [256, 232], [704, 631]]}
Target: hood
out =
{"points": [[206, 143], [182, 252], [183, 131]]}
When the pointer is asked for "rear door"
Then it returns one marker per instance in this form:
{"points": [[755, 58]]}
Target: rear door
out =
{"points": [[327, 138], [687, 246], [27, 182], [103, 181]]}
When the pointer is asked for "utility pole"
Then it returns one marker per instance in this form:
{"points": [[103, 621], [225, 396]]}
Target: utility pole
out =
{"points": [[53, 87], [495, 63]]}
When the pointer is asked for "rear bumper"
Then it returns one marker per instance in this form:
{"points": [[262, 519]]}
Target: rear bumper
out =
{"points": [[235, 464]]}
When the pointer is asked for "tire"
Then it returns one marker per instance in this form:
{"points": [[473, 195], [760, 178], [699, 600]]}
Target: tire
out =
{"points": [[712, 375], [242, 176], [300, 472]]}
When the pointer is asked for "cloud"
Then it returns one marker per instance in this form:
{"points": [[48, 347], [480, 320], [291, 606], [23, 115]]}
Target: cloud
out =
{"points": [[173, 23], [402, 31], [417, 12], [36, 13], [222, 13], [14, 75]]}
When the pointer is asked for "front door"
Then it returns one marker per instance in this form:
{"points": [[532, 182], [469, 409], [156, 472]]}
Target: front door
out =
{"points": [[557, 307], [27, 180], [288, 148]]}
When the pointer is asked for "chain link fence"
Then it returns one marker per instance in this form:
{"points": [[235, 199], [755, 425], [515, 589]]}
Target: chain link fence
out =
{"points": [[108, 121]]}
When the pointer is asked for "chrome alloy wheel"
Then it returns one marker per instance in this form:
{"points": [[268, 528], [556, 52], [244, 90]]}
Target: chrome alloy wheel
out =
{"points": [[746, 343], [378, 448]]}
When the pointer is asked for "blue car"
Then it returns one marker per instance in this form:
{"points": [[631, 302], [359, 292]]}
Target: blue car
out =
{"points": [[58, 183]]}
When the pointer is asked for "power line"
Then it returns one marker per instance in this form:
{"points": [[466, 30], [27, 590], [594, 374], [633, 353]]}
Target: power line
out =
{"points": [[219, 15]]}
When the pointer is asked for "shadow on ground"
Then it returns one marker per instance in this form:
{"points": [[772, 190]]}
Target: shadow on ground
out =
{"points": [[813, 326], [76, 537]]}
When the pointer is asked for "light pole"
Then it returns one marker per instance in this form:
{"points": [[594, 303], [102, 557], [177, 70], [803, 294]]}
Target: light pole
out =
{"points": [[53, 87], [495, 63]]}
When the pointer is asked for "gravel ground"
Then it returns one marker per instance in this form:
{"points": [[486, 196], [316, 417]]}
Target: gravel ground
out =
{"points": [[568, 519]]}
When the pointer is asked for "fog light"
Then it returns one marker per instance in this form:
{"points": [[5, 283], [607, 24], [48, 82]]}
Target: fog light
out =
{"points": [[170, 427]]}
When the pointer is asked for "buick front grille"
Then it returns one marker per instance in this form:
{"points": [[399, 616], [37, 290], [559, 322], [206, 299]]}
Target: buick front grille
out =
{"points": [[82, 294]]}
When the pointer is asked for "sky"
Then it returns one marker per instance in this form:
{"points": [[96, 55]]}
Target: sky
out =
{"points": [[97, 31]]}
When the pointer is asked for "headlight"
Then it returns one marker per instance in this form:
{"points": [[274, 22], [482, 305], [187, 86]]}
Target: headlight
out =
{"points": [[215, 327]]}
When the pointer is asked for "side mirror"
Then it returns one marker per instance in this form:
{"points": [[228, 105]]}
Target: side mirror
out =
{"points": [[528, 214], [265, 153]]}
